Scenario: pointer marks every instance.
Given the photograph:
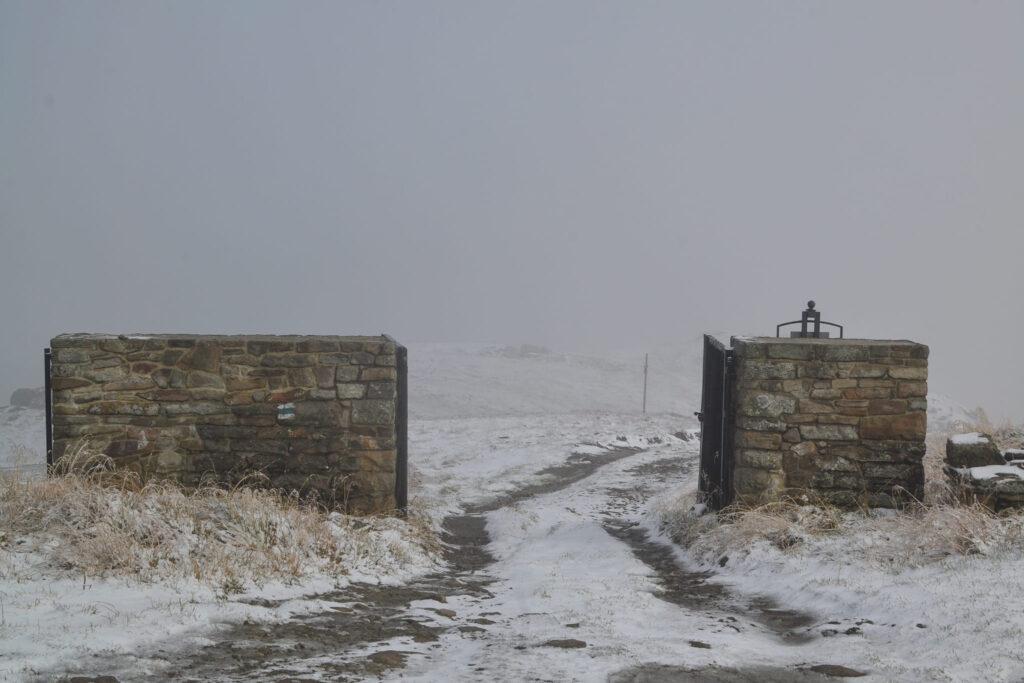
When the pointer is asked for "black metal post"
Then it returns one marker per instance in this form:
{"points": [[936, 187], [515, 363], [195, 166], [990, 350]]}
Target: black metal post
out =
{"points": [[48, 397], [402, 429]]}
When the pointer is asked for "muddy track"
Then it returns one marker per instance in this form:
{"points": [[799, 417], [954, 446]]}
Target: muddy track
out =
{"points": [[335, 644], [328, 644]]}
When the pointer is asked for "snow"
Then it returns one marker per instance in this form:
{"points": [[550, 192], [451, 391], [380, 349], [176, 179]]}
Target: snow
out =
{"points": [[992, 471], [969, 439], [485, 420]]}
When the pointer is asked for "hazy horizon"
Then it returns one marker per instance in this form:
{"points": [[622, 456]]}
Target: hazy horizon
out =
{"points": [[578, 175]]}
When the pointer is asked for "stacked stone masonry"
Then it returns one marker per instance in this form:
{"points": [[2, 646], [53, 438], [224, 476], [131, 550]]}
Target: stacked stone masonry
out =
{"points": [[309, 414], [843, 419]]}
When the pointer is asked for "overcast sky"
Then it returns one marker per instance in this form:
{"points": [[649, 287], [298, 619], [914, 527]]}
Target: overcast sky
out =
{"points": [[573, 174]]}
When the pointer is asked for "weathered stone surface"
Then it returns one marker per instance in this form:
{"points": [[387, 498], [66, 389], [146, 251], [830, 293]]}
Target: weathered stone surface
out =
{"points": [[288, 360], [909, 373], [973, 450], [59, 383], [766, 369], [755, 439], [836, 432], [205, 356], [349, 391], [760, 424], [908, 427], [373, 412], [72, 356], [765, 405], [887, 407], [381, 390], [908, 389], [200, 379], [377, 374]]}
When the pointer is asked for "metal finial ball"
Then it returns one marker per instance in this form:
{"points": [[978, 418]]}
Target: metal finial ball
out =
{"points": [[810, 305]]}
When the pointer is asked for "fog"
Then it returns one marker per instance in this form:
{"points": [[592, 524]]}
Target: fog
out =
{"points": [[580, 175]]}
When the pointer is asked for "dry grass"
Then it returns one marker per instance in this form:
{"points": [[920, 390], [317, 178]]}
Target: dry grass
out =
{"points": [[946, 523], [90, 520]]}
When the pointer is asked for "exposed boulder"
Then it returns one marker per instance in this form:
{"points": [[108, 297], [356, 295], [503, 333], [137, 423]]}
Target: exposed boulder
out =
{"points": [[28, 398], [973, 450]]}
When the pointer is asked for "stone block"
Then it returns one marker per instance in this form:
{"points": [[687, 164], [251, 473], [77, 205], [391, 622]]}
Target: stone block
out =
{"points": [[760, 424], [867, 371], [244, 383], [351, 391], [105, 375], [302, 377], [908, 373], [908, 427], [200, 379], [816, 370], [973, 450], [810, 407], [852, 407], [765, 405], [837, 432], [880, 406], [854, 394], [130, 383], [381, 390], [333, 359], [325, 376], [791, 351], [913, 389], [316, 346], [845, 353], [759, 440], [288, 360], [378, 374], [373, 412], [60, 383], [195, 408], [204, 356], [766, 369], [72, 356]]}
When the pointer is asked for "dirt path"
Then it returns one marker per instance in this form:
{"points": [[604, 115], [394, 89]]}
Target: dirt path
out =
{"points": [[349, 642]]}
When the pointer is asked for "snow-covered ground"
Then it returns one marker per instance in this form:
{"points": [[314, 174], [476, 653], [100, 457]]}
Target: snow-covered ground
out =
{"points": [[484, 421]]}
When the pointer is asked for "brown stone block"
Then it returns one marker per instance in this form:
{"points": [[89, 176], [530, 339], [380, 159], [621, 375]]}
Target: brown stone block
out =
{"points": [[839, 419], [123, 408], [166, 395], [238, 398], [204, 355], [103, 375], [167, 378], [791, 351], [799, 386], [288, 360], [143, 368], [385, 390], [767, 369], [377, 374], [324, 376], [316, 346], [826, 394], [200, 379], [244, 383], [867, 371], [909, 373], [302, 377], [130, 383], [286, 396], [866, 393], [803, 450], [887, 406], [844, 353], [912, 389], [59, 383], [771, 386], [808, 406], [760, 424], [816, 370], [844, 383], [334, 359], [258, 348], [195, 408], [800, 419], [908, 427], [852, 407], [761, 440], [386, 360], [829, 432]]}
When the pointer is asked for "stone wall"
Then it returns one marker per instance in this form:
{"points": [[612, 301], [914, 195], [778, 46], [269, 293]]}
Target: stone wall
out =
{"points": [[844, 418], [312, 414]]}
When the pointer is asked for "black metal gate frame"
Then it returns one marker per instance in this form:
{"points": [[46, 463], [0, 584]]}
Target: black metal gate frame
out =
{"points": [[715, 415]]}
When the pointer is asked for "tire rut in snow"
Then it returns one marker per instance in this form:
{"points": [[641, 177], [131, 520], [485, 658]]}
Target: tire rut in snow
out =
{"points": [[686, 588]]}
